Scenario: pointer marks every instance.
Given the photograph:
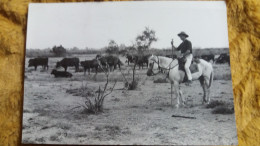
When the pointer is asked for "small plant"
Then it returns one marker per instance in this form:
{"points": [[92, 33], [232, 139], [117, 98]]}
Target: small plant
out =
{"points": [[134, 83], [95, 105]]}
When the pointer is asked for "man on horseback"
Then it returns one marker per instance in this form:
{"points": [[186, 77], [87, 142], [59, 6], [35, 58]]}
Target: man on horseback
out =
{"points": [[186, 50]]}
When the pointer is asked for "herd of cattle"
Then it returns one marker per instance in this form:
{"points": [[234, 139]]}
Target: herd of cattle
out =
{"points": [[108, 62]]}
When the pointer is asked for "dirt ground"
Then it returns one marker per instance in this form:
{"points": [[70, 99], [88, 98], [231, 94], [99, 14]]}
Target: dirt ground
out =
{"points": [[142, 116]]}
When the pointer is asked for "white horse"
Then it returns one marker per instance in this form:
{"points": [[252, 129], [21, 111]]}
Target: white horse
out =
{"points": [[176, 76]]}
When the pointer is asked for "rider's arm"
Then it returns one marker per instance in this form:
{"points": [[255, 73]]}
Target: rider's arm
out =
{"points": [[174, 48]]}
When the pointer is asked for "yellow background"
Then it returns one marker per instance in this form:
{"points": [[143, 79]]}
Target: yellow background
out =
{"points": [[244, 41]]}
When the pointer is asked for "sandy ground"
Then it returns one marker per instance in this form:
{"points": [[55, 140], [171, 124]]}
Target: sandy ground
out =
{"points": [[142, 116]]}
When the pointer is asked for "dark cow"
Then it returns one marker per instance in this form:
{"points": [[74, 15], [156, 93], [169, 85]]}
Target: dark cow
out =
{"points": [[223, 58], [61, 74], [65, 62], [102, 61], [110, 61], [140, 60], [89, 64], [130, 58], [39, 61], [208, 57]]}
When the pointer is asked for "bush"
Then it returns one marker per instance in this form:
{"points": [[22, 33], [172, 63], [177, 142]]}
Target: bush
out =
{"points": [[223, 110], [131, 86], [96, 106]]}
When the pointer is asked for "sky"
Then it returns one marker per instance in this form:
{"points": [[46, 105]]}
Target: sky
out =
{"points": [[94, 24]]}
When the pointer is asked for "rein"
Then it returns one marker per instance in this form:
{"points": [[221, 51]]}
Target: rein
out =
{"points": [[168, 69]]}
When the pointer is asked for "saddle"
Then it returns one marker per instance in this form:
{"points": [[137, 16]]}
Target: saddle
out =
{"points": [[193, 66]]}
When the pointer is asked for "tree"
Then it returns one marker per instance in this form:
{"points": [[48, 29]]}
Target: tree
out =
{"points": [[74, 49], [112, 47], [122, 49], [144, 40], [59, 51]]}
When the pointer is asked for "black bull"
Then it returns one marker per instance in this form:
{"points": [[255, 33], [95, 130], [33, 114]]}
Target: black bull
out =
{"points": [[139, 60], [38, 61], [89, 64], [66, 62], [208, 57], [223, 58], [110, 61]]}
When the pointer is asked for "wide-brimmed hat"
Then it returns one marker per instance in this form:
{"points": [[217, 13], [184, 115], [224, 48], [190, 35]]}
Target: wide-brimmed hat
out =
{"points": [[183, 34]]}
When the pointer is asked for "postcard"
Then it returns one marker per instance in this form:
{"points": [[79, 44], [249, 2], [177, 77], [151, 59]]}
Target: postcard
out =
{"points": [[128, 73]]}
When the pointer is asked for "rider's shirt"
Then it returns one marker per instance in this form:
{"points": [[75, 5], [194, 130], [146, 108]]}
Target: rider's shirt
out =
{"points": [[184, 46]]}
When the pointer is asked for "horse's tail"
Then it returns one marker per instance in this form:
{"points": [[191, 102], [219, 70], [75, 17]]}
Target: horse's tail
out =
{"points": [[211, 79]]}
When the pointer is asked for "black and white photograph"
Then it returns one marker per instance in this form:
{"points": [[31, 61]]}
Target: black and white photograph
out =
{"points": [[128, 73]]}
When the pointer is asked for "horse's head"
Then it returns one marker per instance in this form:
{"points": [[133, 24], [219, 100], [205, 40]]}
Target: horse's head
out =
{"points": [[153, 67]]}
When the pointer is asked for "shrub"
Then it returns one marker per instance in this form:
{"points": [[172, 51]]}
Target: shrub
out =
{"points": [[223, 110], [94, 106], [132, 85]]}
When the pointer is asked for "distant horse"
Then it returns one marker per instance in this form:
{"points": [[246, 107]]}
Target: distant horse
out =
{"points": [[176, 76]]}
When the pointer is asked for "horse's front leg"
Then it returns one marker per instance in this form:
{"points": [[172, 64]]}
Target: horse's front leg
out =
{"points": [[171, 92], [176, 87]]}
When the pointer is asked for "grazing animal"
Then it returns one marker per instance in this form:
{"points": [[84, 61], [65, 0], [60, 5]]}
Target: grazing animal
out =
{"points": [[110, 62], [65, 62], [39, 61], [208, 57], [140, 60], [61, 74], [177, 76], [89, 64], [130, 58], [223, 58], [103, 62]]}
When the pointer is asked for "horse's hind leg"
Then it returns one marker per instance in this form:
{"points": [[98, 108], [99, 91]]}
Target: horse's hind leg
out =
{"points": [[183, 101], [207, 88], [203, 85]]}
